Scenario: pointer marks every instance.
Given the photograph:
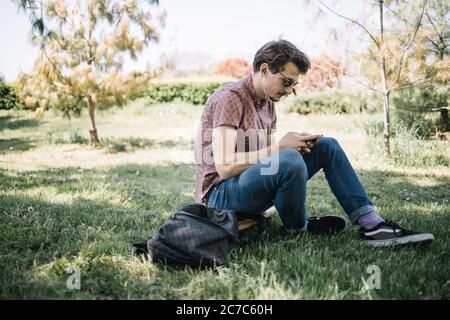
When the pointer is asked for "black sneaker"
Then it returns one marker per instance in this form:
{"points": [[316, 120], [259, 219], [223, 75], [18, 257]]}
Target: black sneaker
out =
{"points": [[326, 224], [389, 233]]}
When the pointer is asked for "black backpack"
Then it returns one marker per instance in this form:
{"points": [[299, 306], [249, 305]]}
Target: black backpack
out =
{"points": [[197, 236]]}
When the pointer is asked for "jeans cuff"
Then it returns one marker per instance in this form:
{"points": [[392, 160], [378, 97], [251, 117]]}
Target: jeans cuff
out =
{"points": [[298, 230], [355, 215]]}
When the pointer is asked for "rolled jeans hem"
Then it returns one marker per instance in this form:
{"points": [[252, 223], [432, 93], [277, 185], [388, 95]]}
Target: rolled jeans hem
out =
{"points": [[355, 215], [298, 230]]}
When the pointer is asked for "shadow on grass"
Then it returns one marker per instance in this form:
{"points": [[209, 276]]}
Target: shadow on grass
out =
{"points": [[123, 179], [115, 145], [9, 122], [134, 200], [15, 144], [39, 235], [162, 182], [40, 239]]}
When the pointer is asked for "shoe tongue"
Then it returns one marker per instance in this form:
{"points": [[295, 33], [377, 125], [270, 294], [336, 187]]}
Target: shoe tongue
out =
{"points": [[391, 224]]}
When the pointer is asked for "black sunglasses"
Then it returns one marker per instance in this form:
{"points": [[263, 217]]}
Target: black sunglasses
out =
{"points": [[287, 82]]}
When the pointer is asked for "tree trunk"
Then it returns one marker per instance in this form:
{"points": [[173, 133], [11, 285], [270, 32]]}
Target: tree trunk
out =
{"points": [[387, 125], [384, 82], [444, 120], [92, 129]]}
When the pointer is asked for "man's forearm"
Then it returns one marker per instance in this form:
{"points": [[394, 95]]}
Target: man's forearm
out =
{"points": [[243, 160]]}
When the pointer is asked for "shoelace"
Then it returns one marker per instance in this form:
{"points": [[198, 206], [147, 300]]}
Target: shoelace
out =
{"points": [[395, 226]]}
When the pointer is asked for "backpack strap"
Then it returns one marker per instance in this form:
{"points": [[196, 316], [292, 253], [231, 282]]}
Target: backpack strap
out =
{"points": [[139, 248], [260, 220]]}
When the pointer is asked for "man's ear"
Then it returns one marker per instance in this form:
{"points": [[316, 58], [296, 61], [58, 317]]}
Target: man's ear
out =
{"points": [[263, 68]]}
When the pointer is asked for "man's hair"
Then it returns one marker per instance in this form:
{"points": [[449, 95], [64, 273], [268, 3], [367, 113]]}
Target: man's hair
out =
{"points": [[277, 53]]}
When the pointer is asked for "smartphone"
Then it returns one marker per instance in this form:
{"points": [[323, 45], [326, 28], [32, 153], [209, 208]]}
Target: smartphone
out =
{"points": [[315, 140]]}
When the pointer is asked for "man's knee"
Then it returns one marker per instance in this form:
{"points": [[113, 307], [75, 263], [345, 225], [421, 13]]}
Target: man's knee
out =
{"points": [[291, 161], [327, 144]]}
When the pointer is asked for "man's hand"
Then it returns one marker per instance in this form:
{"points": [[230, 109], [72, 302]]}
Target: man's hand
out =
{"points": [[302, 142], [311, 142]]}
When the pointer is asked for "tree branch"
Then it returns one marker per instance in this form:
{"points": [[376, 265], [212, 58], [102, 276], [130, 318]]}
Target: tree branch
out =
{"points": [[353, 21], [439, 34], [337, 41], [431, 21], [412, 84], [398, 16], [400, 65], [364, 84]]}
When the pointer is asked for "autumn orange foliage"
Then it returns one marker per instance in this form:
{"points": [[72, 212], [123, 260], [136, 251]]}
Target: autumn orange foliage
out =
{"points": [[236, 68]]}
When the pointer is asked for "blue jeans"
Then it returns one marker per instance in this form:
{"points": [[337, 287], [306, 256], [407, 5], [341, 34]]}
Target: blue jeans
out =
{"points": [[252, 191]]}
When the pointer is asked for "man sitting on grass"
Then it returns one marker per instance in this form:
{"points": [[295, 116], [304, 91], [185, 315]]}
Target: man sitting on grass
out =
{"points": [[241, 166]]}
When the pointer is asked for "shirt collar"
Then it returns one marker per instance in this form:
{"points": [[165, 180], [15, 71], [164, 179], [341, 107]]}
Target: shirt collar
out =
{"points": [[258, 102]]}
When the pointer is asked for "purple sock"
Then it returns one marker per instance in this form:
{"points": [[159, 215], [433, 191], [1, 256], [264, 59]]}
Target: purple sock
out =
{"points": [[370, 220]]}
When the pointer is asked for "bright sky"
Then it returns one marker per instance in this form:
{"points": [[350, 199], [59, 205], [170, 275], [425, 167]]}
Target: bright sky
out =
{"points": [[197, 32]]}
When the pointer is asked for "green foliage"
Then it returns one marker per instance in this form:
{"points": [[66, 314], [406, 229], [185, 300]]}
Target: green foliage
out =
{"points": [[125, 145], [334, 102], [71, 137], [412, 107], [407, 146], [195, 93], [374, 128], [83, 45], [408, 150], [414, 121], [8, 97]]}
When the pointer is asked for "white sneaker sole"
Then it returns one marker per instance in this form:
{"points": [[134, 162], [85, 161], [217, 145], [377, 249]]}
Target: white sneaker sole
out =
{"points": [[422, 238], [270, 212]]}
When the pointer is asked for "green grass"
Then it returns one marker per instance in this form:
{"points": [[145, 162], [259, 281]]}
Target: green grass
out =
{"points": [[63, 204]]}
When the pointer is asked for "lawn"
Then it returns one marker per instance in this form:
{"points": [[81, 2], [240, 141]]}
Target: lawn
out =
{"points": [[64, 204]]}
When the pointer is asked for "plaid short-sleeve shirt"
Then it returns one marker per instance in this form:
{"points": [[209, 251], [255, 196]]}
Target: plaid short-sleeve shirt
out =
{"points": [[235, 104]]}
